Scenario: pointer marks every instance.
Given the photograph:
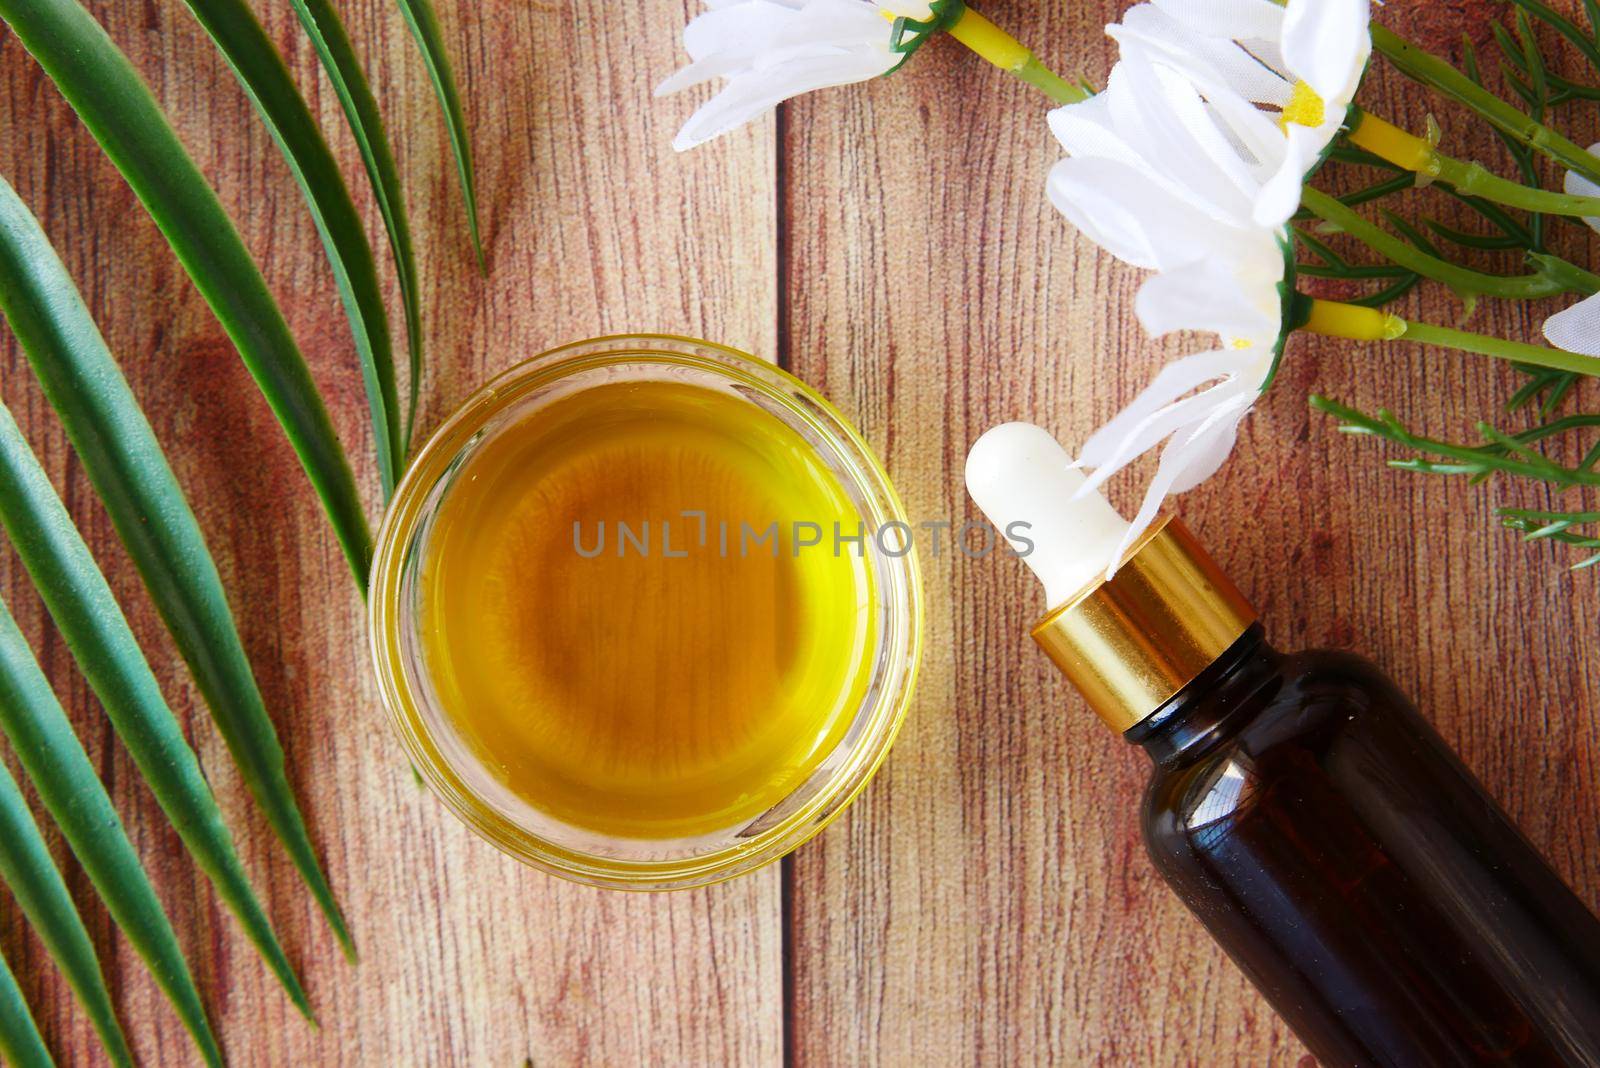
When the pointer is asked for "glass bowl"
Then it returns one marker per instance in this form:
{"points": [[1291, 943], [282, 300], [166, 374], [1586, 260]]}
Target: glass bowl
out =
{"points": [[454, 771]]}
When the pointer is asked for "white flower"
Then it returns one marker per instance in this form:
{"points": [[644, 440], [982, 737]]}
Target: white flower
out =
{"points": [[1304, 59], [1150, 175], [772, 50], [1180, 114], [1239, 300], [1155, 179], [1577, 329], [1191, 163]]}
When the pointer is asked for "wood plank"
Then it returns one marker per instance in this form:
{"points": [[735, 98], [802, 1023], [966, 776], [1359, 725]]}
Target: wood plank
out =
{"points": [[593, 226], [988, 900]]}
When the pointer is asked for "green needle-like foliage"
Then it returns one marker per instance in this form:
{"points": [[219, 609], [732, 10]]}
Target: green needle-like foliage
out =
{"points": [[1509, 119], [60, 771], [344, 72], [1520, 216], [260, 69], [1420, 258], [425, 28], [125, 463], [95, 630], [1499, 453], [20, 1042], [27, 869], [116, 106]]}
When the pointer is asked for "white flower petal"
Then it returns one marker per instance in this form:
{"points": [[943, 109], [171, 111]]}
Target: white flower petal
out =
{"points": [[1156, 428], [1579, 186], [1206, 451], [1576, 329], [772, 50], [726, 39], [749, 95], [1280, 194], [1222, 294], [1130, 216], [1326, 44], [1239, 19], [1173, 381], [916, 10], [1200, 453], [1222, 60], [1184, 135]]}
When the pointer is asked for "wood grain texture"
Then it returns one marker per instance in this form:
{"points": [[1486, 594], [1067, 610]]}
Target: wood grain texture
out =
{"points": [[987, 900], [593, 226]]}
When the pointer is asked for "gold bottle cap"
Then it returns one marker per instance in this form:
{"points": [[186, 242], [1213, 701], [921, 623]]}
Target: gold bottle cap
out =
{"points": [[1132, 642]]}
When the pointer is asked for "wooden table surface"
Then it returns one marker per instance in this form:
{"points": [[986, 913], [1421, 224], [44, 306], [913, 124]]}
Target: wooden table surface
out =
{"points": [[987, 900]]}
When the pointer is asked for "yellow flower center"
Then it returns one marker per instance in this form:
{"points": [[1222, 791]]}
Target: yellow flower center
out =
{"points": [[1242, 343], [1305, 108]]}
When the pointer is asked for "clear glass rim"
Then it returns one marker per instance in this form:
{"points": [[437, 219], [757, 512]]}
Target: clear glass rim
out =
{"points": [[902, 628]]}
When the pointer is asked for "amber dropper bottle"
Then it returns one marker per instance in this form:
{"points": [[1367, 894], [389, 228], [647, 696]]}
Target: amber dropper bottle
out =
{"points": [[1299, 805]]}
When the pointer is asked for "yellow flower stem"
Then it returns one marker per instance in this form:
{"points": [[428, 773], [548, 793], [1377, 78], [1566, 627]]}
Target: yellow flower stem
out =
{"points": [[1011, 55], [1335, 319], [1388, 141], [1418, 155]]}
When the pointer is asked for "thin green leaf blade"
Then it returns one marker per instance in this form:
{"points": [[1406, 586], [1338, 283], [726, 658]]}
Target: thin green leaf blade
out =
{"points": [[119, 111], [419, 15], [96, 632], [344, 72], [28, 871], [20, 1041], [60, 771], [125, 463], [260, 69]]}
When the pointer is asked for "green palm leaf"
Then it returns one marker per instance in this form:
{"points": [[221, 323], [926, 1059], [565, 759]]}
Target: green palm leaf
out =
{"points": [[95, 630], [344, 72], [20, 1041], [124, 461], [105, 90], [27, 869], [60, 771], [425, 28], [260, 69]]}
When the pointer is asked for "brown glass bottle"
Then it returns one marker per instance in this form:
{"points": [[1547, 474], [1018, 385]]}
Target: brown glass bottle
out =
{"points": [[1325, 835], [1300, 806], [1364, 881]]}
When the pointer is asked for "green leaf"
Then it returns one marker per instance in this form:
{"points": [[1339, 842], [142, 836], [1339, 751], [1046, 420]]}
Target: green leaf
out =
{"points": [[1516, 125], [27, 869], [344, 73], [1461, 279], [20, 1041], [1471, 240], [1564, 26], [96, 632], [249, 51], [105, 90], [430, 41], [124, 461], [71, 792]]}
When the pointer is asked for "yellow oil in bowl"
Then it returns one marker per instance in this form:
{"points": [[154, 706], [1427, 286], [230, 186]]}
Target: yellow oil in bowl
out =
{"points": [[645, 612], [623, 622]]}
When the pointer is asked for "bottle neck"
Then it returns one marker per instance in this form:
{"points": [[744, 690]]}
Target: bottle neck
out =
{"points": [[1134, 641], [1213, 706]]}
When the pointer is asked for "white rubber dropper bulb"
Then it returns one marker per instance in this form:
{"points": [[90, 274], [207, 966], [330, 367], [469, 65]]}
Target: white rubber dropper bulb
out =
{"points": [[1018, 473]]}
